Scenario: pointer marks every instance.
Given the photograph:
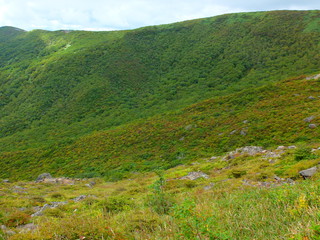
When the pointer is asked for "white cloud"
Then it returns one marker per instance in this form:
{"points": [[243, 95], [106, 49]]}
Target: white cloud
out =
{"points": [[126, 14]]}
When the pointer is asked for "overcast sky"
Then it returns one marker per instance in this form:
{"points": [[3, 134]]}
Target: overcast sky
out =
{"points": [[127, 14]]}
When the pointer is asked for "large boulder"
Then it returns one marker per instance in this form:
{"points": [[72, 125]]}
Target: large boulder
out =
{"points": [[307, 173]]}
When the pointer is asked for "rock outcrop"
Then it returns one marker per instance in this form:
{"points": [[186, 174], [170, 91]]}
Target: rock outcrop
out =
{"points": [[194, 176], [307, 173]]}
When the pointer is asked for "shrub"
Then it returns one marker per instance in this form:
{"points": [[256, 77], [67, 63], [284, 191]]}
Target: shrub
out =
{"points": [[160, 201], [116, 204], [17, 218], [238, 173], [303, 154], [57, 196]]}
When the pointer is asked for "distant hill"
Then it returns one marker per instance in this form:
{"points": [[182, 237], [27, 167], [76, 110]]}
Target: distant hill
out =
{"points": [[59, 91]]}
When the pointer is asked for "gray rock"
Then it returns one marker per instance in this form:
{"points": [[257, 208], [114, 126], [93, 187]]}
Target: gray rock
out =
{"points": [[273, 154], [213, 158], [80, 198], [312, 126], [46, 206], [60, 180], [233, 132], [250, 150], [90, 184], [312, 98], [28, 227], [307, 173], [5, 181], [309, 119], [208, 187], [43, 176], [281, 148], [277, 178], [245, 121], [194, 175], [290, 181], [292, 147], [243, 132], [315, 77], [190, 126], [7, 231]]}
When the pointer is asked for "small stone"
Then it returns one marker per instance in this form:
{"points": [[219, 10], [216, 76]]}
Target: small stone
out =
{"points": [[281, 148], [277, 178], [208, 187], [309, 119], [5, 181], [292, 147], [243, 132], [312, 126], [233, 132], [80, 198], [43, 176], [189, 127], [213, 158], [290, 181], [312, 98], [245, 121]]}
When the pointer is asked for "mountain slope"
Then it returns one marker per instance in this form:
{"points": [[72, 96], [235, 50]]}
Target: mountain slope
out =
{"points": [[276, 114], [74, 82]]}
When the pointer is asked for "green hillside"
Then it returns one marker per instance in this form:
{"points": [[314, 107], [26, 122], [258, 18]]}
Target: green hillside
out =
{"points": [[268, 116], [66, 96]]}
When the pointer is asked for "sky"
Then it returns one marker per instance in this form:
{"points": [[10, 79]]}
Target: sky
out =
{"points": [[102, 15]]}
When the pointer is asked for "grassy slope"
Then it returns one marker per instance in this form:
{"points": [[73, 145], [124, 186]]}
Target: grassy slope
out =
{"points": [[58, 86], [266, 116], [143, 207]]}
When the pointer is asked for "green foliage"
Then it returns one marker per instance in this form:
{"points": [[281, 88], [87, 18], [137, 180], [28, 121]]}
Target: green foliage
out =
{"points": [[115, 204], [303, 154], [160, 201], [238, 173], [195, 225], [78, 103], [17, 218]]}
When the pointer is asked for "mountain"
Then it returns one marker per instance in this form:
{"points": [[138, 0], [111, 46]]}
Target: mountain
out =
{"points": [[106, 103]]}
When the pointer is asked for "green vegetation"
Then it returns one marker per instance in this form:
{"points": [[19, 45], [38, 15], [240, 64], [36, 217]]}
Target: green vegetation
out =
{"points": [[162, 206], [59, 86], [111, 109], [268, 116]]}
